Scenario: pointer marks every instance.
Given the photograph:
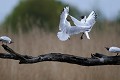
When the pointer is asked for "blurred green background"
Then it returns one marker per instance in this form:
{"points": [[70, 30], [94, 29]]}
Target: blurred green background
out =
{"points": [[45, 15], [41, 13]]}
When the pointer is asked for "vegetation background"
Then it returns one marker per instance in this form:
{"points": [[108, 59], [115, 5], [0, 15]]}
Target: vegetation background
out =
{"points": [[33, 26]]}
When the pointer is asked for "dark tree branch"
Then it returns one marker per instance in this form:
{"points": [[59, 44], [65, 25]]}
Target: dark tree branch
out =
{"points": [[94, 60]]}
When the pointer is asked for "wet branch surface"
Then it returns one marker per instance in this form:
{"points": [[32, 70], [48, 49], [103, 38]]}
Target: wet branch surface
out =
{"points": [[96, 59]]}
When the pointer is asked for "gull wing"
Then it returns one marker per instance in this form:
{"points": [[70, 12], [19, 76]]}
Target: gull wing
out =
{"points": [[78, 23], [63, 17], [87, 35], [91, 19], [75, 21]]}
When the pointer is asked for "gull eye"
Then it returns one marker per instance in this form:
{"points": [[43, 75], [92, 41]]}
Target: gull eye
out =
{"points": [[82, 17]]}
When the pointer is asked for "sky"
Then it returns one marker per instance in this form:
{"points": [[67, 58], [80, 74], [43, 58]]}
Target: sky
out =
{"points": [[6, 7], [109, 8]]}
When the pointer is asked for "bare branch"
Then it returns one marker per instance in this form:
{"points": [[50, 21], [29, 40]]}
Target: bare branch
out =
{"points": [[95, 59]]}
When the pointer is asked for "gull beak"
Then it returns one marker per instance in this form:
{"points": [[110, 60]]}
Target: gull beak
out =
{"points": [[107, 48]]}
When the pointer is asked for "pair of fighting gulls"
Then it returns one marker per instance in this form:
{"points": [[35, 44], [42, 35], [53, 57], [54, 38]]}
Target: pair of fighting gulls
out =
{"points": [[84, 26], [66, 30]]}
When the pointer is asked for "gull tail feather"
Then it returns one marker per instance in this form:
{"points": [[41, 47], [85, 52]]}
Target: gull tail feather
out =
{"points": [[62, 36]]}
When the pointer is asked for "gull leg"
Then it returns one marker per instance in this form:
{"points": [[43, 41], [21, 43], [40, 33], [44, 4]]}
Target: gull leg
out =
{"points": [[82, 36], [117, 54], [69, 38], [0, 42]]}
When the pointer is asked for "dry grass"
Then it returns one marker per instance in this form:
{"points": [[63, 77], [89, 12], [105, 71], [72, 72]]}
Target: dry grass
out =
{"points": [[39, 42]]}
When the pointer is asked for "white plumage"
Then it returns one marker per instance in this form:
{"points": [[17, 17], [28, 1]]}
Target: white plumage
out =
{"points": [[66, 30], [113, 49], [5, 39], [86, 22]]}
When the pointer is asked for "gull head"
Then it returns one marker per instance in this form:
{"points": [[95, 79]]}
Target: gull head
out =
{"points": [[107, 48], [68, 19], [10, 42], [82, 17]]}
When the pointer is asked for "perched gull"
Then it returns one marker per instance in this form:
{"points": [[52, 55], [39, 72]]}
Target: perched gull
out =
{"points": [[85, 22], [5, 39], [66, 30], [113, 50]]}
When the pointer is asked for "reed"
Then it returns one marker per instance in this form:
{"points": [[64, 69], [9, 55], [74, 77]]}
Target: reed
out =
{"points": [[38, 42]]}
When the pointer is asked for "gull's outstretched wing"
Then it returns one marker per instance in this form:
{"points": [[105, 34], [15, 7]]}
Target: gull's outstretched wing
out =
{"points": [[75, 21], [81, 23], [91, 19], [63, 17]]}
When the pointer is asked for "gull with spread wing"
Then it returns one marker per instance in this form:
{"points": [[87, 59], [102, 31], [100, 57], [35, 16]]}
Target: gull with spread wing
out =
{"points": [[66, 30], [85, 22]]}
